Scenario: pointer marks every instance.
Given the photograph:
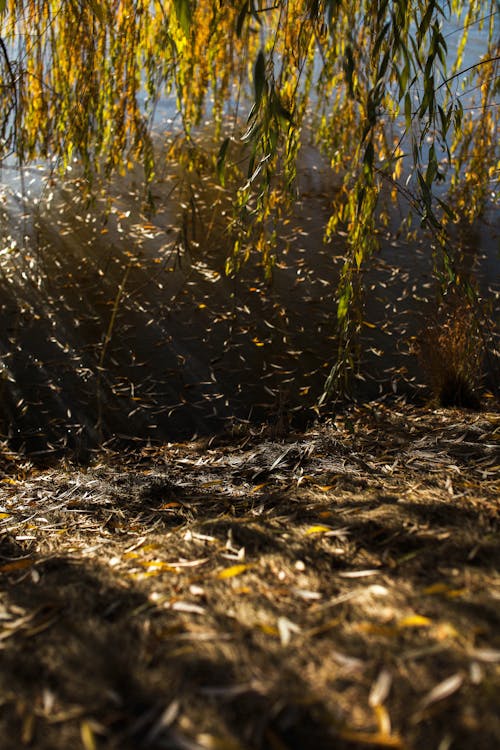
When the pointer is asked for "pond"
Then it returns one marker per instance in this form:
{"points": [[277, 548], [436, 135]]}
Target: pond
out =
{"points": [[121, 326]]}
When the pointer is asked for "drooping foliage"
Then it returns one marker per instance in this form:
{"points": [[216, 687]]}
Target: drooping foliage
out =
{"points": [[378, 84]]}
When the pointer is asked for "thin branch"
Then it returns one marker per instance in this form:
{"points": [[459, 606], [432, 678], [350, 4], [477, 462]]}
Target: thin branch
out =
{"points": [[466, 70]]}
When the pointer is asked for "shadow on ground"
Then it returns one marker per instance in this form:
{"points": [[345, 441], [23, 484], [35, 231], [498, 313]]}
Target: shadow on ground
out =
{"points": [[165, 599]]}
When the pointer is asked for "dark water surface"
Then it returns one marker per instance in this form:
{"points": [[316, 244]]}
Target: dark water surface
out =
{"points": [[123, 329]]}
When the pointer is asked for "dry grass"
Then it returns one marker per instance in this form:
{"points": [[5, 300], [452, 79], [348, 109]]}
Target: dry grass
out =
{"points": [[340, 589], [451, 351]]}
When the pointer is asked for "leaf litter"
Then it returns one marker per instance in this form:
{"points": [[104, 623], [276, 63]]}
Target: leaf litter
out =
{"points": [[324, 590]]}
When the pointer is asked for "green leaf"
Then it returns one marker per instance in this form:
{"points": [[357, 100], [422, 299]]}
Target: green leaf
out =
{"points": [[380, 39], [95, 5], [221, 158], [244, 11], [432, 167], [369, 155], [408, 111], [259, 77], [349, 69], [184, 15]]}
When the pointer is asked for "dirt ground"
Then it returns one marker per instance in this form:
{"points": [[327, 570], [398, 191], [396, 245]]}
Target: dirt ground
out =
{"points": [[334, 588]]}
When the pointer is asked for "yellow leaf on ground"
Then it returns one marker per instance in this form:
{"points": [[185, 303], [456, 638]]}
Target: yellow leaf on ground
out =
{"points": [[268, 629], [436, 588], [259, 487], [375, 628], [375, 739], [234, 570], [87, 736], [414, 621], [444, 589], [383, 720], [318, 529]]}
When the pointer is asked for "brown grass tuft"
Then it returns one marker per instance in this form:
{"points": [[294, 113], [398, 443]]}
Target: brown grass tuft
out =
{"points": [[451, 352]]}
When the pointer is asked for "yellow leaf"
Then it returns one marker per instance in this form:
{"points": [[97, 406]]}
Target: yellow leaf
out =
{"points": [[414, 621], [436, 588], [268, 629], [234, 570], [375, 628], [87, 736], [4, 515], [444, 589], [258, 487], [156, 565], [371, 738], [318, 529], [383, 720], [325, 487]]}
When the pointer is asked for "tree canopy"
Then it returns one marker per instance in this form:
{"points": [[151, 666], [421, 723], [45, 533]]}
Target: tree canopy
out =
{"points": [[379, 85]]}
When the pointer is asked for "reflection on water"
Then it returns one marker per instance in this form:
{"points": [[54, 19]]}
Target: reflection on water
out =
{"points": [[128, 328]]}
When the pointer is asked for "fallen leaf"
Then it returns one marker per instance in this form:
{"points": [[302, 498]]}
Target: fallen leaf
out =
{"points": [[383, 720], [194, 609], [488, 655], [268, 629], [414, 621], [318, 529], [444, 589], [234, 570], [87, 735], [442, 690], [380, 688], [371, 738], [285, 628], [357, 573]]}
